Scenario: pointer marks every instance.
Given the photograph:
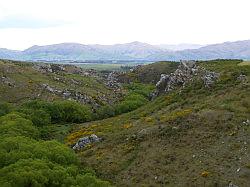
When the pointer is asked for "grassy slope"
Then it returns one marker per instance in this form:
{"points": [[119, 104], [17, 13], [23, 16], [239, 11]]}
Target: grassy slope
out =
{"points": [[150, 73], [28, 83], [176, 137]]}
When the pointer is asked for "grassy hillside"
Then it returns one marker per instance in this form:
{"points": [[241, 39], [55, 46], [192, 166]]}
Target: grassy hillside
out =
{"points": [[193, 136], [149, 73], [22, 81]]}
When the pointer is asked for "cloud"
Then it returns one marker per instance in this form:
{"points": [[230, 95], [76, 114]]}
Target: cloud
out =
{"points": [[28, 22]]}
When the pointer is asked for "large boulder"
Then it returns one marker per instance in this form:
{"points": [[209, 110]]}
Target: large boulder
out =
{"points": [[83, 142], [209, 78]]}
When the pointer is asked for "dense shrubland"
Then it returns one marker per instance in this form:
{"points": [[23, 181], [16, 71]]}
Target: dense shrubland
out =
{"points": [[26, 160]]}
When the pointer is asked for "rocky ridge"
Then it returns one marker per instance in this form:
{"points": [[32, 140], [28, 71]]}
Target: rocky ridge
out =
{"points": [[185, 73]]}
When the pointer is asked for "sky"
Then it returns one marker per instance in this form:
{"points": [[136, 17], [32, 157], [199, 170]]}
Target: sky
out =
{"points": [[24, 23]]}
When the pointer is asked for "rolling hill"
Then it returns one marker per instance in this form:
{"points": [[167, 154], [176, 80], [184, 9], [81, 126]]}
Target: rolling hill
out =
{"points": [[129, 51]]}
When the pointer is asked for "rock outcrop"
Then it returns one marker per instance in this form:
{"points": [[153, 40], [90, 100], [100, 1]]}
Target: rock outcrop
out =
{"points": [[242, 78], [112, 81], [48, 68], [71, 94], [209, 78], [83, 142], [185, 73]]}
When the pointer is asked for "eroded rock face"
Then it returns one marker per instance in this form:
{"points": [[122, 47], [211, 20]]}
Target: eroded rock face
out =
{"points": [[83, 142], [185, 72]]}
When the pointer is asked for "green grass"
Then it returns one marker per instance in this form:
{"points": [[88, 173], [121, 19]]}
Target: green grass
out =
{"points": [[150, 73], [104, 67]]}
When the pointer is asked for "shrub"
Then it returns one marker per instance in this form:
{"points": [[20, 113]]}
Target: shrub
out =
{"points": [[36, 172], [39, 117], [43, 113], [105, 112], [13, 149], [14, 125], [73, 112], [131, 102], [5, 108]]}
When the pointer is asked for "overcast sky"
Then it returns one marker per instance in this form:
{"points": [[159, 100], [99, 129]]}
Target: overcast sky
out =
{"points": [[24, 23]]}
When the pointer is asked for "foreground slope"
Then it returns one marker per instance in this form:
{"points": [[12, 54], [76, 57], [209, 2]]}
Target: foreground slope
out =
{"points": [[192, 136]]}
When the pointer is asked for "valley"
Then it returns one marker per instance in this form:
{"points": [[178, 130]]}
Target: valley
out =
{"points": [[162, 124]]}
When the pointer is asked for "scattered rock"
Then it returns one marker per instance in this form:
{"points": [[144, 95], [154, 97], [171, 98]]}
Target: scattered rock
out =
{"points": [[83, 142], [247, 122], [71, 95], [242, 78], [232, 185], [209, 78], [112, 80], [7, 81]]}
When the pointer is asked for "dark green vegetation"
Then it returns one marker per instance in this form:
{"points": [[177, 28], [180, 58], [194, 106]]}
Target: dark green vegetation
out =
{"points": [[137, 96], [193, 136], [26, 160]]}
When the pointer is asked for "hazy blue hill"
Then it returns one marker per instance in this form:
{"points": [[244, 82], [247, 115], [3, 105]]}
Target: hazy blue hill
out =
{"points": [[180, 47], [9, 54], [129, 51]]}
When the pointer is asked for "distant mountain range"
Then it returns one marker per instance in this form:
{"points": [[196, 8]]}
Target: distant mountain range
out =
{"points": [[180, 47], [130, 51]]}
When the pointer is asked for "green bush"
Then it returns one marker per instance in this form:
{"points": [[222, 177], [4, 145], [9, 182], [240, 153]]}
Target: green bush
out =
{"points": [[25, 161], [5, 108], [105, 112], [73, 112], [39, 117], [14, 125], [58, 111], [37, 172], [131, 102], [13, 149]]}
